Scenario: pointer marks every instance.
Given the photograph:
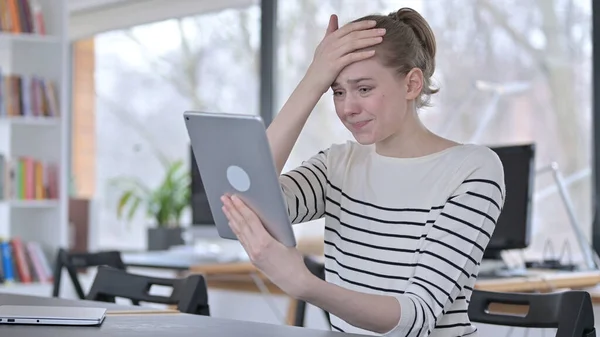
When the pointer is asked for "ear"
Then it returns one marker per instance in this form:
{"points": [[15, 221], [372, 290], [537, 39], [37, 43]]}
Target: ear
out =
{"points": [[414, 83]]}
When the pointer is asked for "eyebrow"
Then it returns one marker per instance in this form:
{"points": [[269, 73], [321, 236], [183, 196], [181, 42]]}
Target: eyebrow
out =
{"points": [[353, 81]]}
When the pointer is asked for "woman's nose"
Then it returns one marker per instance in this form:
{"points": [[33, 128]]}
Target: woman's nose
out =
{"points": [[351, 105]]}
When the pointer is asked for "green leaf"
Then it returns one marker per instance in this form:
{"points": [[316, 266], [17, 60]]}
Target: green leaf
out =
{"points": [[134, 208], [123, 202], [165, 203]]}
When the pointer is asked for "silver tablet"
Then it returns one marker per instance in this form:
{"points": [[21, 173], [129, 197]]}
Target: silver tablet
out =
{"points": [[233, 156], [51, 315]]}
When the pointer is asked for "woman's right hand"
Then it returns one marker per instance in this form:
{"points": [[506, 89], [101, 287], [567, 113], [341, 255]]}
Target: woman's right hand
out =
{"points": [[340, 47]]}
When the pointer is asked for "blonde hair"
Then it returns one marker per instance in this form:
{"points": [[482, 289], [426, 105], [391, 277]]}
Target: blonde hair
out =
{"points": [[408, 43]]}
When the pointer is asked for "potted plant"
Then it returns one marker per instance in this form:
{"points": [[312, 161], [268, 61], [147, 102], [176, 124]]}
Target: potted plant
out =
{"points": [[164, 205]]}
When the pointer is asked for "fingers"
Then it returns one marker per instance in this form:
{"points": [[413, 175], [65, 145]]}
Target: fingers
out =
{"points": [[241, 232], [338, 42], [248, 215], [242, 216], [238, 222], [253, 222], [357, 45], [354, 26], [333, 24], [355, 57], [373, 35], [235, 227], [350, 47]]}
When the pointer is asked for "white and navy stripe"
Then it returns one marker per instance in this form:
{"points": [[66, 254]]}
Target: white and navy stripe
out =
{"points": [[417, 242]]}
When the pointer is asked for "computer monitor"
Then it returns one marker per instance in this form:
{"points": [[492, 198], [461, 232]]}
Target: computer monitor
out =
{"points": [[513, 228], [201, 214]]}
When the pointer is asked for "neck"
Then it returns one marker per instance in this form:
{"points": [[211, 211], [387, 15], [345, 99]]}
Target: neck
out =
{"points": [[413, 139]]}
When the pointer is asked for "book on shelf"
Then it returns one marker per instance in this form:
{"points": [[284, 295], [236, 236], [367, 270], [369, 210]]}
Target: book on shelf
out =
{"points": [[25, 178], [22, 16], [27, 96], [23, 262]]}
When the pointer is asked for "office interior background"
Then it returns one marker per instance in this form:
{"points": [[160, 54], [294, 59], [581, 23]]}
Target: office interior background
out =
{"points": [[510, 73]]}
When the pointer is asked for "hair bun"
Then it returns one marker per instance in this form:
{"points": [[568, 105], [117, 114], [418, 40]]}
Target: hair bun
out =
{"points": [[403, 14], [420, 27]]}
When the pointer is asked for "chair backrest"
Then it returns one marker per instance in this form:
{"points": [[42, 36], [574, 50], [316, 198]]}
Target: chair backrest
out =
{"points": [[571, 312], [190, 294], [73, 262]]}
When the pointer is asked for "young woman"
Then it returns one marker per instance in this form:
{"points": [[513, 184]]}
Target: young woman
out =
{"points": [[408, 214]]}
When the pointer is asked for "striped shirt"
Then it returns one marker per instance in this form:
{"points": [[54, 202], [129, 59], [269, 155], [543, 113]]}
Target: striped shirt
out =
{"points": [[411, 228]]}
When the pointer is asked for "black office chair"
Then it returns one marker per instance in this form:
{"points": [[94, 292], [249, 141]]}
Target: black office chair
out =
{"points": [[570, 312], [317, 269], [73, 262], [190, 294]]}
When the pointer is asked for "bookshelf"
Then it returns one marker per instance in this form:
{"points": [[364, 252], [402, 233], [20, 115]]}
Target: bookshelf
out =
{"points": [[34, 134]]}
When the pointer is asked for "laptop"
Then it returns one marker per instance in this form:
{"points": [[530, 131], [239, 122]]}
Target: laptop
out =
{"points": [[51, 315]]}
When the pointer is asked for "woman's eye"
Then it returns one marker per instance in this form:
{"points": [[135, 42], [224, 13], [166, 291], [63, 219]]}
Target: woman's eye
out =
{"points": [[337, 93], [364, 90]]}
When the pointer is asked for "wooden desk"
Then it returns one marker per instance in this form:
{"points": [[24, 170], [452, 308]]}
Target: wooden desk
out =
{"points": [[182, 261], [166, 259], [542, 282], [238, 277], [150, 323], [243, 276]]}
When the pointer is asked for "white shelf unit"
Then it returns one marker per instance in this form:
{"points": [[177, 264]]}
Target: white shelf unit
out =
{"points": [[41, 138]]}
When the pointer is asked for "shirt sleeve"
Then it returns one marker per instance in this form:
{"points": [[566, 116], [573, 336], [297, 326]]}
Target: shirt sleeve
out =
{"points": [[452, 249], [304, 189]]}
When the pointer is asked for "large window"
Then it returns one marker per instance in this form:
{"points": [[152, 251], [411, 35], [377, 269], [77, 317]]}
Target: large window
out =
{"points": [[509, 71], [145, 78]]}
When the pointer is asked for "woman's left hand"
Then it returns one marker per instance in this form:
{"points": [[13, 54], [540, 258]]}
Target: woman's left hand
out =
{"points": [[284, 266]]}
